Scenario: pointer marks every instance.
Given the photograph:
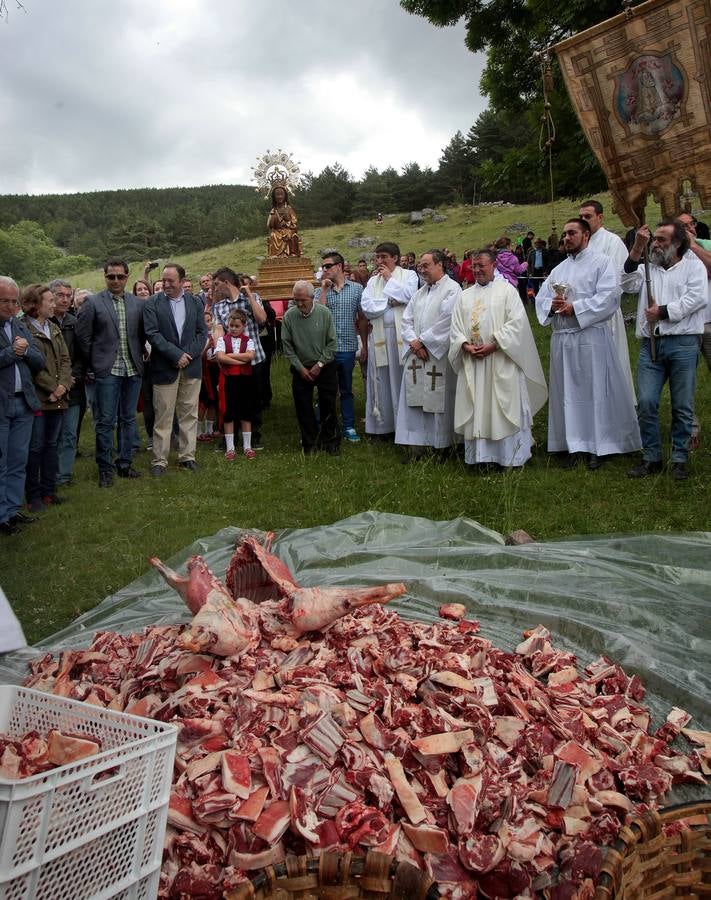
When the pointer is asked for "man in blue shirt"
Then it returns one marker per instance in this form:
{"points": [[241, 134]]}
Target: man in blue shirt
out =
{"points": [[342, 297]]}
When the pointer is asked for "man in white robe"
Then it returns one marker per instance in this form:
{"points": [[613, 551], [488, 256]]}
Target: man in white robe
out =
{"points": [[425, 413], [500, 380], [590, 406], [611, 245], [383, 302]]}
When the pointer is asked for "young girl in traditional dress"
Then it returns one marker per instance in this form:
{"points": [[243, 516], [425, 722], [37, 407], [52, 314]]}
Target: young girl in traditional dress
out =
{"points": [[235, 353]]}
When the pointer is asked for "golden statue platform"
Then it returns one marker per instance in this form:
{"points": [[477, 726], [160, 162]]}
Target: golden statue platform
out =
{"points": [[277, 275]]}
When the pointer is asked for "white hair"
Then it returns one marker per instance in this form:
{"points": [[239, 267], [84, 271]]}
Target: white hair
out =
{"points": [[302, 284], [9, 282]]}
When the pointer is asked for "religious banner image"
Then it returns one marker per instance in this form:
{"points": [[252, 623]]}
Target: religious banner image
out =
{"points": [[640, 84]]}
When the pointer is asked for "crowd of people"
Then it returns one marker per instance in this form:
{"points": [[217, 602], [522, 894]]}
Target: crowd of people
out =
{"points": [[446, 350]]}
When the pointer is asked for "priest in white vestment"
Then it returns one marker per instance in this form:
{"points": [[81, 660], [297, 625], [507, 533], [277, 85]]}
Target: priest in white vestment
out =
{"points": [[425, 414], [383, 302], [590, 404], [611, 245], [500, 380]]}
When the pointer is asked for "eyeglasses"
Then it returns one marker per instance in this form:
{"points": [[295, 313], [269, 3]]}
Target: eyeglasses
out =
{"points": [[60, 296], [10, 302], [115, 277], [327, 266]]}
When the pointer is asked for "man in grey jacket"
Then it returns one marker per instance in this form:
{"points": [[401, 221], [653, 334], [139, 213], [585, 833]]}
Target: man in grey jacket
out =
{"points": [[19, 360], [110, 335]]}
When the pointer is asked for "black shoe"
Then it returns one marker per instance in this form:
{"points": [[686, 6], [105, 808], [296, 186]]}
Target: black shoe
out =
{"points": [[157, 471], [128, 472], [570, 461], [8, 528], [594, 462], [188, 464], [106, 479], [679, 471], [645, 469], [21, 519]]}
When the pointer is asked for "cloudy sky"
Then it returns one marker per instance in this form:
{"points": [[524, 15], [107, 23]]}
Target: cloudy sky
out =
{"points": [[101, 94]]}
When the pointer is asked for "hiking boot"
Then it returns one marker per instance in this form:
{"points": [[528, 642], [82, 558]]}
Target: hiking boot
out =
{"points": [[679, 471], [645, 469]]}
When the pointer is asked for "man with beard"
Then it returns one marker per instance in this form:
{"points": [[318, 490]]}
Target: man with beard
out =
{"points": [[676, 319], [500, 381], [590, 408]]}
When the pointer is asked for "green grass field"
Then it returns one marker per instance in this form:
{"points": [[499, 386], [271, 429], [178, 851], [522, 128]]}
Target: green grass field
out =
{"points": [[101, 539]]}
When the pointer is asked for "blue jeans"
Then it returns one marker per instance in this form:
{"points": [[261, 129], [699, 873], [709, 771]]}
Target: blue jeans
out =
{"points": [[115, 400], [67, 449], [41, 479], [677, 357], [345, 363], [15, 435]]}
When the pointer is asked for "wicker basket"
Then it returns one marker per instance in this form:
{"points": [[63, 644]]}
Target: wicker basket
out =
{"points": [[646, 863], [339, 876]]}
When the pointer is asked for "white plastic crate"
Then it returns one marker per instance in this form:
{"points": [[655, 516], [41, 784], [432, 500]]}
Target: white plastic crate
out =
{"points": [[92, 829]]}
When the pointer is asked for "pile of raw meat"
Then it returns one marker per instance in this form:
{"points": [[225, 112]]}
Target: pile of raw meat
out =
{"points": [[314, 719]]}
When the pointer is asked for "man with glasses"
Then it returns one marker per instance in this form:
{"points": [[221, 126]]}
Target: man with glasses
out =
{"points": [[342, 297], [19, 360], [591, 410], [110, 335]]}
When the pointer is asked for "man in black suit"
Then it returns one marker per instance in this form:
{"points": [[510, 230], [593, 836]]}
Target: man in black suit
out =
{"points": [[175, 327], [19, 359], [109, 332]]}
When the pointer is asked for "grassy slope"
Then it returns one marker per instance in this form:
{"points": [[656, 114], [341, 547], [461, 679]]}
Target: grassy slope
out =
{"points": [[100, 540], [466, 227]]}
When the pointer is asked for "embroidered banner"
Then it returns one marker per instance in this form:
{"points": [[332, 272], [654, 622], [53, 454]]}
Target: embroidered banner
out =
{"points": [[641, 87]]}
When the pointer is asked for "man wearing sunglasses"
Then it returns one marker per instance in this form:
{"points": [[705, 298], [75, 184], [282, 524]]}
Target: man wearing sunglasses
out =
{"points": [[110, 335], [342, 297]]}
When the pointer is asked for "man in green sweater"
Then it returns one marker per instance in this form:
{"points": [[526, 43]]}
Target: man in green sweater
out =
{"points": [[309, 340]]}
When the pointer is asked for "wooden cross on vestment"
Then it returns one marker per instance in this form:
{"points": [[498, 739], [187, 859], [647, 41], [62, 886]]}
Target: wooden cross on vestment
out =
{"points": [[434, 374], [414, 367]]}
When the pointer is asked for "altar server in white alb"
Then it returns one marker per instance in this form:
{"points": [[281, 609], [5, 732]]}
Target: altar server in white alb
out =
{"points": [[383, 302], [425, 414], [500, 380], [611, 245], [591, 410]]}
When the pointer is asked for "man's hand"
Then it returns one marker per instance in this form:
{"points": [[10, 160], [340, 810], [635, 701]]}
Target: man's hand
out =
{"points": [[326, 284], [419, 349], [653, 313], [19, 346], [641, 239], [306, 374], [363, 355], [184, 361], [384, 271], [315, 371], [566, 310], [482, 350]]}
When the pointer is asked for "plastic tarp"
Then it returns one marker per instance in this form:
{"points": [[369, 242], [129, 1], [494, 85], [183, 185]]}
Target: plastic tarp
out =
{"points": [[642, 600]]}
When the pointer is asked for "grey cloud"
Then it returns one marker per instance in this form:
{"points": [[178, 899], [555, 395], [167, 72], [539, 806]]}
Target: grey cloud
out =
{"points": [[101, 94]]}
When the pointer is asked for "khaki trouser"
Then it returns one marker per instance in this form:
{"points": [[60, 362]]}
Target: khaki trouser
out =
{"points": [[180, 397]]}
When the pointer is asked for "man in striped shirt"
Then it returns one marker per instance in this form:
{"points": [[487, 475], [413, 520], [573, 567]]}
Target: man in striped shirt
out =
{"points": [[342, 297]]}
